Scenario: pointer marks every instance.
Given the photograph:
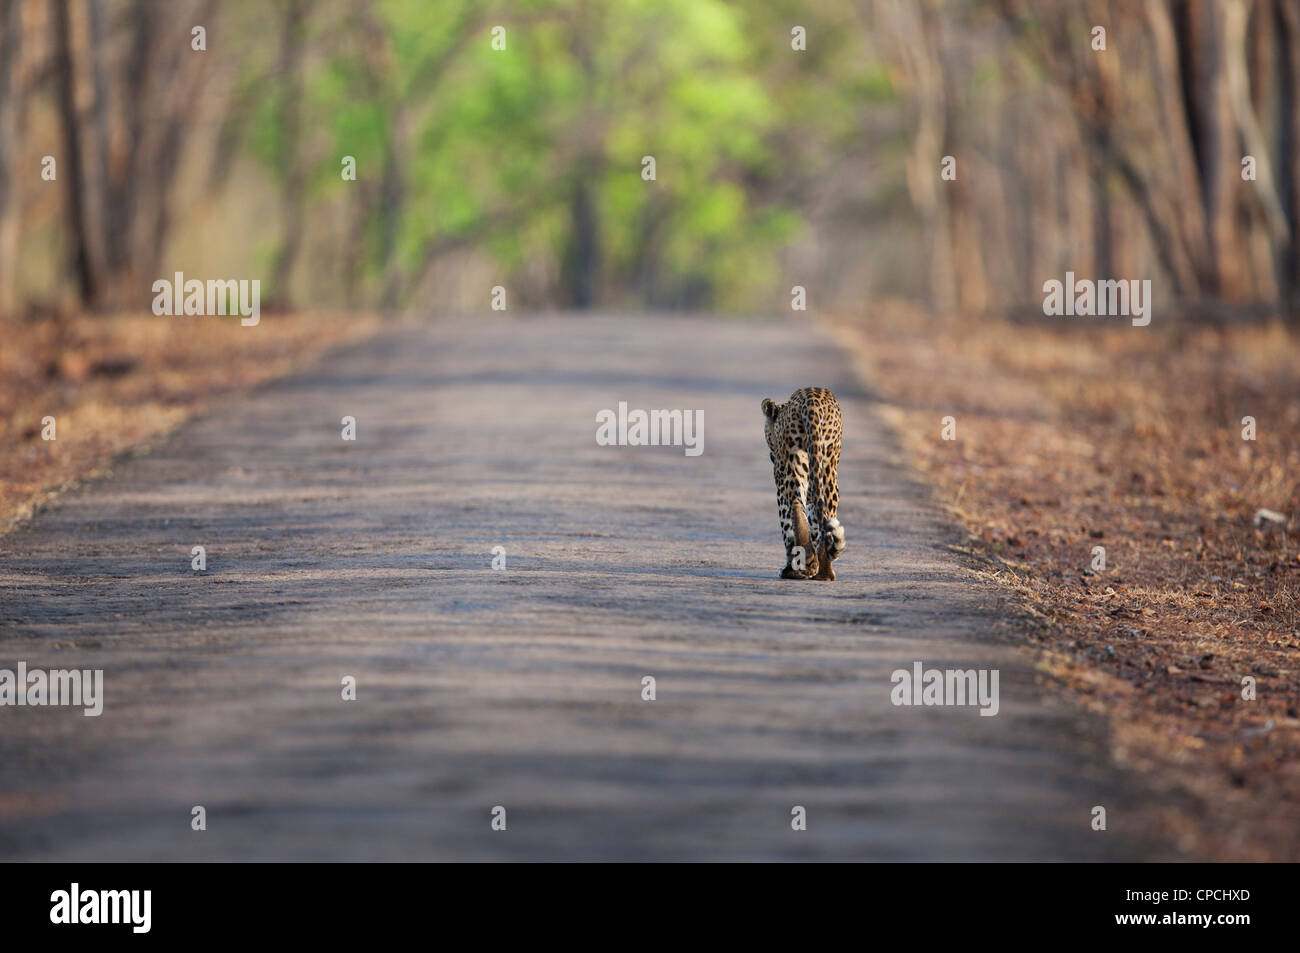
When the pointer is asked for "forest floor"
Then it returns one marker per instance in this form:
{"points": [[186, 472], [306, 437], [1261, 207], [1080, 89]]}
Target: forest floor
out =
{"points": [[1071, 438], [115, 383]]}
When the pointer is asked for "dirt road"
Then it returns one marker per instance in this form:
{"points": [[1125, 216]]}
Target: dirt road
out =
{"points": [[522, 687]]}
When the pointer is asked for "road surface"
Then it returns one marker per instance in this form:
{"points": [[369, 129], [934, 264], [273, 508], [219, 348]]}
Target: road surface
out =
{"points": [[521, 687]]}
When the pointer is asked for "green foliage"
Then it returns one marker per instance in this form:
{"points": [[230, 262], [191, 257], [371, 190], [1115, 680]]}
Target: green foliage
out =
{"points": [[535, 153]]}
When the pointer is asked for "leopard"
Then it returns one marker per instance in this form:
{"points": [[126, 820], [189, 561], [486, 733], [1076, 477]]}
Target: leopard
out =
{"points": [[803, 441]]}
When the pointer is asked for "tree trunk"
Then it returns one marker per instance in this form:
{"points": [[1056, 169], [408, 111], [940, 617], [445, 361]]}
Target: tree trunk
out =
{"points": [[70, 164], [1288, 19], [1204, 27], [581, 265], [10, 94], [392, 191], [914, 37], [138, 69], [1257, 251], [291, 195], [98, 198], [1192, 252]]}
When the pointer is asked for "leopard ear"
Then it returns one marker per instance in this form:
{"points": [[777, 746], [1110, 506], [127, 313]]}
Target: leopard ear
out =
{"points": [[769, 408]]}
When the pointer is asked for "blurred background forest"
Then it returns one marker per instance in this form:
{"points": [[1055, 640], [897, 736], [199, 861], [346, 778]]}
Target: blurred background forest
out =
{"points": [[522, 167]]}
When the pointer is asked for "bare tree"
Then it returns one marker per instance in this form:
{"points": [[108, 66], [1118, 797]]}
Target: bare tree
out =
{"points": [[1288, 136], [71, 173], [11, 34], [294, 179], [913, 32], [97, 159]]}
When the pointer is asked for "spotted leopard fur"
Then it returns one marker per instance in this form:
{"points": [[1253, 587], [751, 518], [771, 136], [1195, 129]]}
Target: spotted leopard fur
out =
{"points": [[803, 441]]}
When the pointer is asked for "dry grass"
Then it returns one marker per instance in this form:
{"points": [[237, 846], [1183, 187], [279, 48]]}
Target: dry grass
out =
{"points": [[113, 383], [1076, 436]]}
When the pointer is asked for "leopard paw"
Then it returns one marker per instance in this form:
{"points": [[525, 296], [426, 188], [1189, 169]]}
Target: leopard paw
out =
{"points": [[833, 533]]}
